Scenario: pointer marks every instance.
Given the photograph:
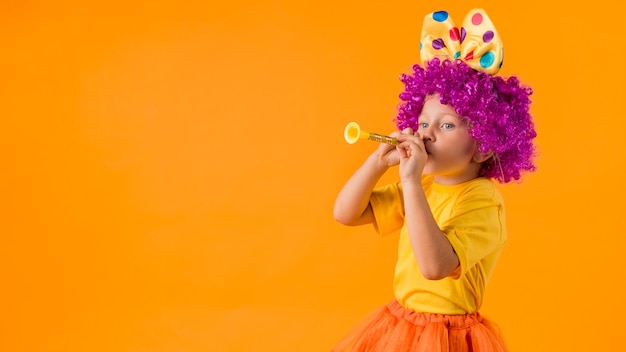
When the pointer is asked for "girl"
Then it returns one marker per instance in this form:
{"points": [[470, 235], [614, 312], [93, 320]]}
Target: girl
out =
{"points": [[461, 128]]}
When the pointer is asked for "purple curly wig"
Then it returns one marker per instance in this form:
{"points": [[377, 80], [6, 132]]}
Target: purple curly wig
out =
{"points": [[498, 111]]}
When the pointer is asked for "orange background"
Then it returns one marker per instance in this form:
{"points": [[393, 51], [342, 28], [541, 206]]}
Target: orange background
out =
{"points": [[169, 170]]}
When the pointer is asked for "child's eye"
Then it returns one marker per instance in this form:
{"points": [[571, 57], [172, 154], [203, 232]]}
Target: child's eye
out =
{"points": [[423, 125], [447, 126]]}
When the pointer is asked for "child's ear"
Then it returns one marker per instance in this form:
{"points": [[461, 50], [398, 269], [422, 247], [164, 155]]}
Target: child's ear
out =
{"points": [[481, 157]]}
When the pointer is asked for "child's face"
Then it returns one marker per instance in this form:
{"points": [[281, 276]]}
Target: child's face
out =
{"points": [[448, 143]]}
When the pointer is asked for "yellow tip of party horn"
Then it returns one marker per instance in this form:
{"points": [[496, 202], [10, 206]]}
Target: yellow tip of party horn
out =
{"points": [[353, 132]]}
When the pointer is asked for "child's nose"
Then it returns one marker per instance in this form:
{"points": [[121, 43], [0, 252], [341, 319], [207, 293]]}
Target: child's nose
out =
{"points": [[427, 135]]}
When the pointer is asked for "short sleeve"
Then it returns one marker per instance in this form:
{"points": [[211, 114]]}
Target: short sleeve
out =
{"points": [[388, 207], [476, 228]]}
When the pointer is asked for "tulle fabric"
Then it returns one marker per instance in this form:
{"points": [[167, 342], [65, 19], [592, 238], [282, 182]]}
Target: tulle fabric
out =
{"points": [[393, 328]]}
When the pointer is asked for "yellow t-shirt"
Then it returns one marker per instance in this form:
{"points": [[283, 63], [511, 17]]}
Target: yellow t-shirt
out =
{"points": [[471, 215]]}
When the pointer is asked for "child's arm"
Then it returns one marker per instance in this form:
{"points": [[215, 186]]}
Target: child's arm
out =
{"points": [[352, 205], [432, 250], [434, 253]]}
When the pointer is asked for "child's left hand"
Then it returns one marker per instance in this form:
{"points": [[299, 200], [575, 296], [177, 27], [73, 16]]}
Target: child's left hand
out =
{"points": [[412, 153]]}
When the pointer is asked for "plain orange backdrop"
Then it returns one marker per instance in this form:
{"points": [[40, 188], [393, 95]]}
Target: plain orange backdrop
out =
{"points": [[169, 170]]}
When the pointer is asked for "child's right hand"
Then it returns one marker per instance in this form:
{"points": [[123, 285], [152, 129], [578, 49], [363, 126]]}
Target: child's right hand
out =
{"points": [[387, 154]]}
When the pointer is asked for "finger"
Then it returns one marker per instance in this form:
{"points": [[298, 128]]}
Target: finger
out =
{"points": [[385, 147], [417, 138], [416, 145], [403, 150], [407, 149], [407, 137], [407, 130]]}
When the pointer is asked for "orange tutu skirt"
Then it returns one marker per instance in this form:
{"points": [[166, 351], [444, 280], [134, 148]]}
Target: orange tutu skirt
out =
{"points": [[395, 328]]}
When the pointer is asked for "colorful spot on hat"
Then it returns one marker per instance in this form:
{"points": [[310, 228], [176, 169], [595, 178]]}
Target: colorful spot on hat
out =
{"points": [[454, 34], [439, 43], [457, 55], [488, 36], [477, 19], [463, 34], [469, 56], [487, 60], [440, 16]]}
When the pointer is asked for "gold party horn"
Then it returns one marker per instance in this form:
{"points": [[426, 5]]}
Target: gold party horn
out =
{"points": [[352, 133]]}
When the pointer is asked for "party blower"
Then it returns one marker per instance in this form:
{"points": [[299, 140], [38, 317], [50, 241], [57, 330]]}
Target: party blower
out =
{"points": [[352, 133]]}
